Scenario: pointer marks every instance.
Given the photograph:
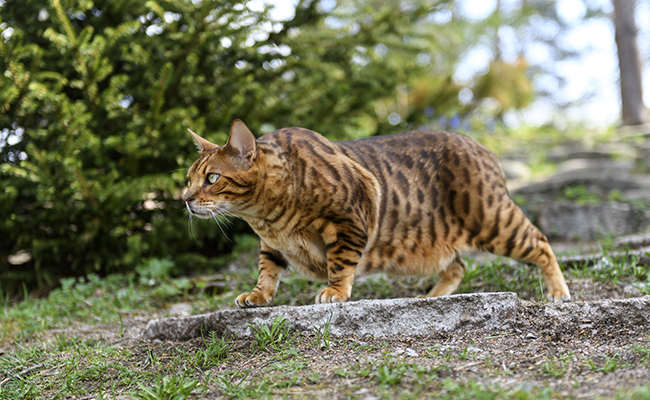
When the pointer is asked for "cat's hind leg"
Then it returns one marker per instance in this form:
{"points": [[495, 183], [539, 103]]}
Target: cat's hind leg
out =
{"points": [[519, 239], [449, 278]]}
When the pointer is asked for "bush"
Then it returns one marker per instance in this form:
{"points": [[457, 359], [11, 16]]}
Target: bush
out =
{"points": [[96, 98]]}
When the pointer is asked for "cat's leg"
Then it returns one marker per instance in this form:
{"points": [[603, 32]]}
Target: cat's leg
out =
{"points": [[343, 253], [449, 279], [521, 240], [271, 265]]}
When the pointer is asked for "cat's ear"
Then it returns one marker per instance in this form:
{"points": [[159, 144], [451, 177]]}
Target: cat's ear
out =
{"points": [[203, 144], [242, 140]]}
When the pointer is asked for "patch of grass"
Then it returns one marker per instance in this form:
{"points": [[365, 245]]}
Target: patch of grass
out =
{"points": [[644, 352], [556, 367], [277, 336], [610, 364], [580, 195], [323, 334], [215, 352], [166, 388], [615, 268], [498, 276]]}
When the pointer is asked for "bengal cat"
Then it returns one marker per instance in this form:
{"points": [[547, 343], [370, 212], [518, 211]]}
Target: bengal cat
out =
{"points": [[406, 204]]}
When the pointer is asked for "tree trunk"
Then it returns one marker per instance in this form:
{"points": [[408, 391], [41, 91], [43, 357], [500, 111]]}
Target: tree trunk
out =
{"points": [[629, 63]]}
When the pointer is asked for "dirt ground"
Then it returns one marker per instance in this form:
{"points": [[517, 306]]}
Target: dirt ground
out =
{"points": [[537, 359]]}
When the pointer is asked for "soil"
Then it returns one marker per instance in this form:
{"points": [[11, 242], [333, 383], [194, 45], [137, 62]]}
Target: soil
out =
{"points": [[585, 359]]}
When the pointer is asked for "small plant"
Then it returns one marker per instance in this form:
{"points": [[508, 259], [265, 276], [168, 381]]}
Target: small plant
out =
{"points": [[611, 364], [389, 373], [216, 350], [581, 195], [167, 388], [234, 389], [644, 351], [323, 334], [276, 337], [555, 367]]}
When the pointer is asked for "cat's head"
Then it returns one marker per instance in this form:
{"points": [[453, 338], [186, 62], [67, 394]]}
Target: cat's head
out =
{"points": [[223, 179]]}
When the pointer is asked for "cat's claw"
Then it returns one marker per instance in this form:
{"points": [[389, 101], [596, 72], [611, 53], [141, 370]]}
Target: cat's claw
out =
{"points": [[246, 300], [331, 295], [558, 297]]}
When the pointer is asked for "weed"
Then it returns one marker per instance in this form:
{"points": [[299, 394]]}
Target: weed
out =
{"points": [[276, 337], [555, 367], [389, 372], [323, 334], [167, 388], [215, 352], [580, 195], [229, 387], [611, 364], [644, 352]]}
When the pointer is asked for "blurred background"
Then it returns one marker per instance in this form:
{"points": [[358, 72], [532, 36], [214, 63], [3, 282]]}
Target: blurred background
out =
{"points": [[96, 98]]}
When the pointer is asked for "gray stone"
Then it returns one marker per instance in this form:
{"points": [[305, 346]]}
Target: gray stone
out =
{"points": [[639, 256], [603, 151], [642, 195], [608, 166], [180, 309], [515, 169], [377, 318], [604, 179], [591, 221], [629, 312]]}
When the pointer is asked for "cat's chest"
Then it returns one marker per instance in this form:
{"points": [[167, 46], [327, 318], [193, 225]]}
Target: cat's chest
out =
{"points": [[302, 245]]}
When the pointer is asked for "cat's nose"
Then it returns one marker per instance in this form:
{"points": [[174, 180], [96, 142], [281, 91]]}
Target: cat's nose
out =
{"points": [[189, 199]]}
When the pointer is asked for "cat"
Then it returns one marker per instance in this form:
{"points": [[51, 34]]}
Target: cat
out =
{"points": [[406, 204]]}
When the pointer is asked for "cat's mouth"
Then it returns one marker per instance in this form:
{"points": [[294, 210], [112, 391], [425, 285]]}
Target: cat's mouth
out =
{"points": [[201, 212]]}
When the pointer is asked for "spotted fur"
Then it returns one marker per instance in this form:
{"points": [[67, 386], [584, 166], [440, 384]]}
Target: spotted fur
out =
{"points": [[406, 204]]}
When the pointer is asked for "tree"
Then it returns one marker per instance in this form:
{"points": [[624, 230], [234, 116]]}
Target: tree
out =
{"points": [[633, 110], [96, 98]]}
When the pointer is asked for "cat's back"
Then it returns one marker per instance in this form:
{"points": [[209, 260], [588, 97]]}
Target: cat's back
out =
{"points": [[424, 155]]}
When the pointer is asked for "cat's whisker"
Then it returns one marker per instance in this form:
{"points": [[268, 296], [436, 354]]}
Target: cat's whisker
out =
{"points": [[214, 216]]}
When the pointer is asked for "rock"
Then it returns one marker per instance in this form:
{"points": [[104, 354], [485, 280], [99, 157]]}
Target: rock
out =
{"points": [[634, 130], [642, 195], [591, 221], [610, 166], [626, 312], [604, 179], [180, 309], [515, 169], [377, 318]]}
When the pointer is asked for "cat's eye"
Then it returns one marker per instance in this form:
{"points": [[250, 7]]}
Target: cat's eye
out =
{"points": [[212, 178]]}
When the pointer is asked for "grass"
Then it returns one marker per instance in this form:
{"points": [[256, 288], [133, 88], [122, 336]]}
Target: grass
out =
{"points": [[75, 342]]}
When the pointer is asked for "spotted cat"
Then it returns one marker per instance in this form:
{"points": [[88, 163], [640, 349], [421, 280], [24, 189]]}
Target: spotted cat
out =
{"points": [[405, 204]]}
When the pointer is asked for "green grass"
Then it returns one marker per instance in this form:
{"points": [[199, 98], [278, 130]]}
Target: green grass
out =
{"points": [[46, 357]]}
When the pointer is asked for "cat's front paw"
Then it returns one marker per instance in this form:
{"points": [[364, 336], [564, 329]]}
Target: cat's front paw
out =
{"points": [[331, 295], [255, 299], [558, 291], [559, 296]]}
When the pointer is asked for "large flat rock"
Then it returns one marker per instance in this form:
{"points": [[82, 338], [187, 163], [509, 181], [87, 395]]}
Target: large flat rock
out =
{"points": [[379, 318], [406, 317]]}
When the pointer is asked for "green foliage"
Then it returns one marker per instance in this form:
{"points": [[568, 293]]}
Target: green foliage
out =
{"points": [[215, 352], [323, 334], [277, 336], [579, 194], [556, 367], [167, 388], [97, 98]]}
